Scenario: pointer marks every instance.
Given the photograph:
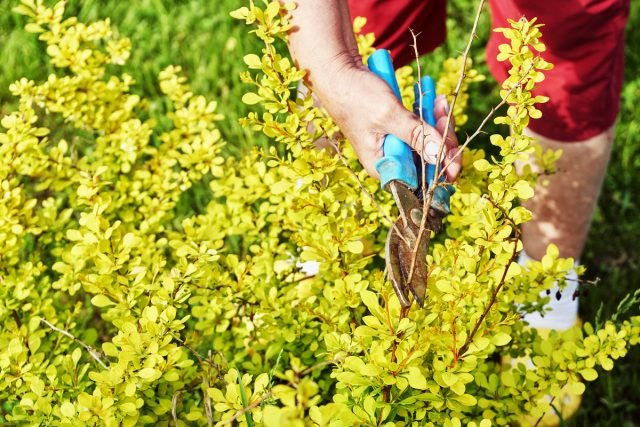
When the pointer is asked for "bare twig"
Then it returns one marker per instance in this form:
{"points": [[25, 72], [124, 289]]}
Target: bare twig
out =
{"points": [[207, 399], [484, 121], [92, 351], [423, 180], [428, 198], [200, 357], [454, 98], [477, 131], [301, 279], [249, 407], [320, 365], [425, 205]]}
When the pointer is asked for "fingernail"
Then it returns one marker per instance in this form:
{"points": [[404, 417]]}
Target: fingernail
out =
{"points": [[431, 151]]}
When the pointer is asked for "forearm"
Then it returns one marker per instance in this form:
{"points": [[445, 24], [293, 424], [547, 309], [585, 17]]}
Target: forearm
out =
{"points": [[322, 40], [362, 104]]}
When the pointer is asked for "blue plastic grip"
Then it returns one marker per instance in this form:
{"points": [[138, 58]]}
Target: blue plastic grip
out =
{"points": [[425, 110], [380, 64], [428, 87], [397, 163], [441, 195]]}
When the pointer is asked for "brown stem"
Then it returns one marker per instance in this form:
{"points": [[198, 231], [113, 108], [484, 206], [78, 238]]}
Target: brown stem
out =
{"points": [[463, 74], [423, 180], [249, 407], [455, 342], [494, 296], [174, 407], [427, 200]]}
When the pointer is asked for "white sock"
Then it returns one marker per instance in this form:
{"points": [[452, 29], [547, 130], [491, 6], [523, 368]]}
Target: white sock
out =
{"points": [[559, 314]]}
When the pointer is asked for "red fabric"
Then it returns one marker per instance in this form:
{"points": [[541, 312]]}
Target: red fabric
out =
{"points": [[585, 42], [584, 38], [390, 21]]}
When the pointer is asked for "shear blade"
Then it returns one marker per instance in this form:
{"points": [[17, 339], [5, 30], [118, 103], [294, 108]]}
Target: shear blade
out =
{"points": [[400, 254]]}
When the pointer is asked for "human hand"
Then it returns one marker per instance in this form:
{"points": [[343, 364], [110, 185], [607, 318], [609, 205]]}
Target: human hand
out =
{"points": [[362, 104], [366, 110]]}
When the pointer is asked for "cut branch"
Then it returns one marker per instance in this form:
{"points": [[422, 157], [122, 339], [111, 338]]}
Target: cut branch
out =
{"points": [[484, 122], [428, 198]]}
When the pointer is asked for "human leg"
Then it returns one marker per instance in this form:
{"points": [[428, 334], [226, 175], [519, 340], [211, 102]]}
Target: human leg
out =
{"points": [[585, 42], [564, 205], [562, 212]]}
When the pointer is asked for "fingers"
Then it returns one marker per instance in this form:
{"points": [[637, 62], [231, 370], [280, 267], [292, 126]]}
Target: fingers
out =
{"points": [[369, 111], [452, 158], [409, 128], [440, 107]]}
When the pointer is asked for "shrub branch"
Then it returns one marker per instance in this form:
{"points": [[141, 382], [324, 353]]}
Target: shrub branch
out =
{"points": [[427, 200], [92, 351]]}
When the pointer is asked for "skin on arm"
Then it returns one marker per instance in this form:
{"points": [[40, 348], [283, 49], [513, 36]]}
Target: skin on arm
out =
{"points": [[562, 210], [362, 104]]}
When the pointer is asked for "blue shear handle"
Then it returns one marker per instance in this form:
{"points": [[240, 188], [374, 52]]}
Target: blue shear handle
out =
{"points": [[441, 195], [397, 163], [425, 110], [428, 87]]}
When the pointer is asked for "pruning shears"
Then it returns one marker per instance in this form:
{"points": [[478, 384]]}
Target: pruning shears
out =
{"points": [[406, 247]]}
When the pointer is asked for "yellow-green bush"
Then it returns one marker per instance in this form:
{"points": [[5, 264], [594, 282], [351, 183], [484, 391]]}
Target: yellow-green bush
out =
{"points": [[117, 309]]}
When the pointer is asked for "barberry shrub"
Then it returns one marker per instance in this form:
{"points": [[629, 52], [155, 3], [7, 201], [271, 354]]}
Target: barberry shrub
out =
{"points": [[121, 307]]}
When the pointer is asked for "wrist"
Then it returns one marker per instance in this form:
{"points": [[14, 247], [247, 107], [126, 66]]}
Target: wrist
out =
{"points": [[332, 72]]}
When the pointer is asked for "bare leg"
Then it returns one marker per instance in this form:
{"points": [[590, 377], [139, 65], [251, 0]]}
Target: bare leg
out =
{"points": [[562, 210]]}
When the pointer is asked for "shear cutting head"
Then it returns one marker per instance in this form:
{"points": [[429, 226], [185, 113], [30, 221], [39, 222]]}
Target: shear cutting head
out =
{"points": [[406, 248]]}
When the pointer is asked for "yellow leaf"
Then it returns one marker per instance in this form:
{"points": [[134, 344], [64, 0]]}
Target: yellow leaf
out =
{"points": [[355, 246], [251, 98], [101, 301], [148, 373], [589, 374], [252, 60], [500, 339], [68, 410]]}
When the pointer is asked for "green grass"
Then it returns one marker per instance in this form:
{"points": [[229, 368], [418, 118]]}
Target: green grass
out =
{"points": [[199, 36], [202, 38]]}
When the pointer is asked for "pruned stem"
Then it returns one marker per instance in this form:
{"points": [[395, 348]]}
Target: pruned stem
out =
{"points": [[429, 197], [484, 122]]}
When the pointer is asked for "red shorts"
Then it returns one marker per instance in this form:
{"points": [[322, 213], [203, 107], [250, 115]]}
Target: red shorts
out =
{"points": [[584, 38]]}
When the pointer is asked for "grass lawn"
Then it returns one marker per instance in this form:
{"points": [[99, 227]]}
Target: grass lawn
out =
{"points": [[202, 38]]}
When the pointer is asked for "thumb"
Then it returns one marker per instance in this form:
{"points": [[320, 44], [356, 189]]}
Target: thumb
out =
{"points": [[409, 128]]}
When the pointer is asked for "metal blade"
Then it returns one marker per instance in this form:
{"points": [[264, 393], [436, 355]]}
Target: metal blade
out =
{"points": [[400, 251]]}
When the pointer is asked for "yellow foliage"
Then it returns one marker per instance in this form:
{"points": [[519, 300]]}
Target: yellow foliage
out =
{"points": [[118, 308]]}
